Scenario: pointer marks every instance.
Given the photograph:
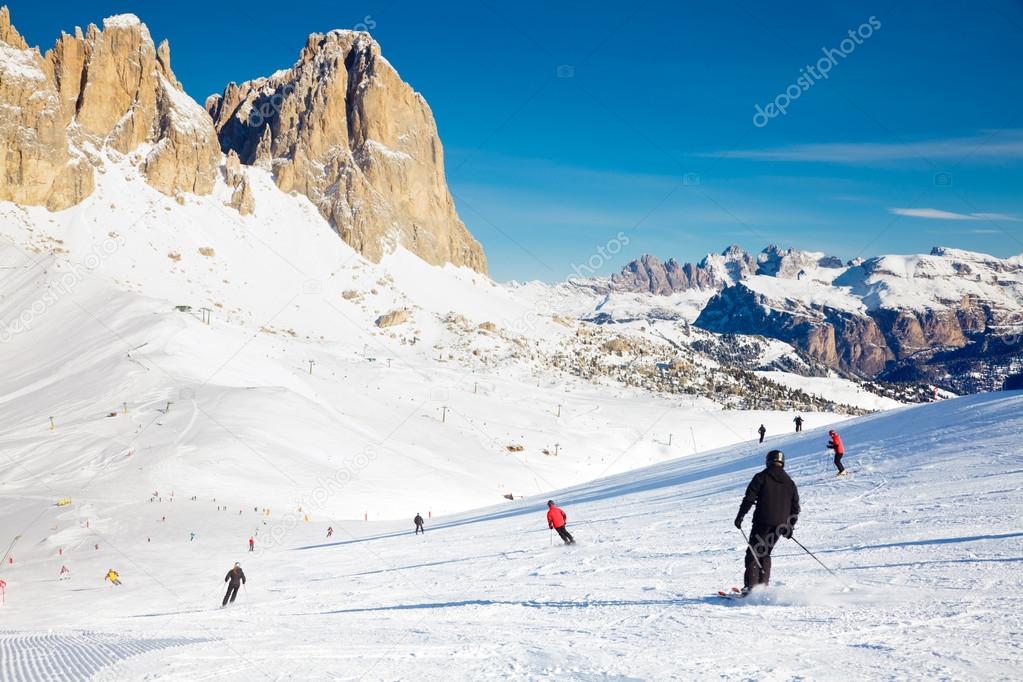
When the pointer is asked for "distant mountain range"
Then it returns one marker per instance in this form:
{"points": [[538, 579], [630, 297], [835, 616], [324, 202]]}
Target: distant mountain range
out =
{"points": [[953, 318]]}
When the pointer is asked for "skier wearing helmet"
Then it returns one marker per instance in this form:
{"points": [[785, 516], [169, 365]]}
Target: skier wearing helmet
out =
{"points": [[777, 510], [234, 578]]}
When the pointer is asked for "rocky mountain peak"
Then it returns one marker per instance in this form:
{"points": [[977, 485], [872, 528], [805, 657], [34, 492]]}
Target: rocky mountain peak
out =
{"points": [[8, 34], [106, 89], [714, 271], [341, 127], [792, 263]]}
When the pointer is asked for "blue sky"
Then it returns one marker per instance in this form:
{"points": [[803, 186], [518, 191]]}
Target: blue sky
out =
{"points": [[913, 139]]}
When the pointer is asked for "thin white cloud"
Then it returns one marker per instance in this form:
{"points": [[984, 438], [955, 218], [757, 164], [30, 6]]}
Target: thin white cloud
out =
{"points": [[987, 145], [938, 214], [998, 216]]}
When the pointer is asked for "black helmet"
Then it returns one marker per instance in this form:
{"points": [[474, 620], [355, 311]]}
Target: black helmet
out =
{"points": [[775, 457], [550, 503]]}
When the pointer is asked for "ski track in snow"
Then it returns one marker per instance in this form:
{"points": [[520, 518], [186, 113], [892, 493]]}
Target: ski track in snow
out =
{"points": [[70, 657]]}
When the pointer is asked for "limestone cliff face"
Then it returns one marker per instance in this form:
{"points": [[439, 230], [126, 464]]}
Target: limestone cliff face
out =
{"points": [[341, 127], [38, 167], [836, 338], [104, 89]]}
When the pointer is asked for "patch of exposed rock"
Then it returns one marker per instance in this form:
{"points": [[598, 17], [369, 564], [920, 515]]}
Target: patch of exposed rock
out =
{"points": [[393, 318], [242, 199]]}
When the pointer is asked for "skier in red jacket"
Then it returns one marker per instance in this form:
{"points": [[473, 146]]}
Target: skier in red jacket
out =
{"points": [[836, 444], [556, 519]]}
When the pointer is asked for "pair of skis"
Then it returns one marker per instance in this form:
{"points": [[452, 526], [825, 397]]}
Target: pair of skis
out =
{"points": [[735, 593]]}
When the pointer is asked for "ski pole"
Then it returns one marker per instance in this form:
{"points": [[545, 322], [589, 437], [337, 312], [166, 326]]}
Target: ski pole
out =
{"points": [[552, 537], [818, 560], [755, 557]]}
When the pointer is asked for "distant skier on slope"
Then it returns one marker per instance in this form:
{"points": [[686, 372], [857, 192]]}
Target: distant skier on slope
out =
{"points": [[252, 544], [556, 519], [191, 536], [777, 502], [419, 524], [113, 577], [330, 531], [835, 443], [763, 432], [799, 422], [234, 578], [65, 573]]}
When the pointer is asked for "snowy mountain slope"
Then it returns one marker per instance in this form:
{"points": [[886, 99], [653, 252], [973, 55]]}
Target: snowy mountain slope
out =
{"points": [[453, 409], [848, 392], [925, 536]]}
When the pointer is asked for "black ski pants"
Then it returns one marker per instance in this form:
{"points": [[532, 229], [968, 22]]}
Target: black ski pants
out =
{"points": [[761, 543], [232, 592], [761, 438], [838, 462], [420, 529], [565, 535]]}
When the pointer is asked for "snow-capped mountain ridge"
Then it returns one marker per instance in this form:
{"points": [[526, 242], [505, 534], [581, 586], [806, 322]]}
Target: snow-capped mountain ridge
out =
{"points": [[717, 270], [924, 317]]}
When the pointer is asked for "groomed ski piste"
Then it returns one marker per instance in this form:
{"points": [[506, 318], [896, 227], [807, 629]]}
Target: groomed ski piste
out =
{"points": [[112, 395], [925, 536]]}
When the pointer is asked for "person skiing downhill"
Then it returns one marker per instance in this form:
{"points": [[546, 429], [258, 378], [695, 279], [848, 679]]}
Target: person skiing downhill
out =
{"points": [[799, 423], [330, 531], [835, 443], [777, 500], [234, 578], [65, 573], [113, 577], [762, 431], [419, 524], [556, 519], [252, 544]]}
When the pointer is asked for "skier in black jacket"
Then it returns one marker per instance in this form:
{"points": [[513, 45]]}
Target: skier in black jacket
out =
{"points": [[419, 524], [234, 578], [777, 501]]}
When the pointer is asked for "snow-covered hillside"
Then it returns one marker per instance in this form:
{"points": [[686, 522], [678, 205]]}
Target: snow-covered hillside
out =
{"points": [[925, 538], [292, 381]]}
